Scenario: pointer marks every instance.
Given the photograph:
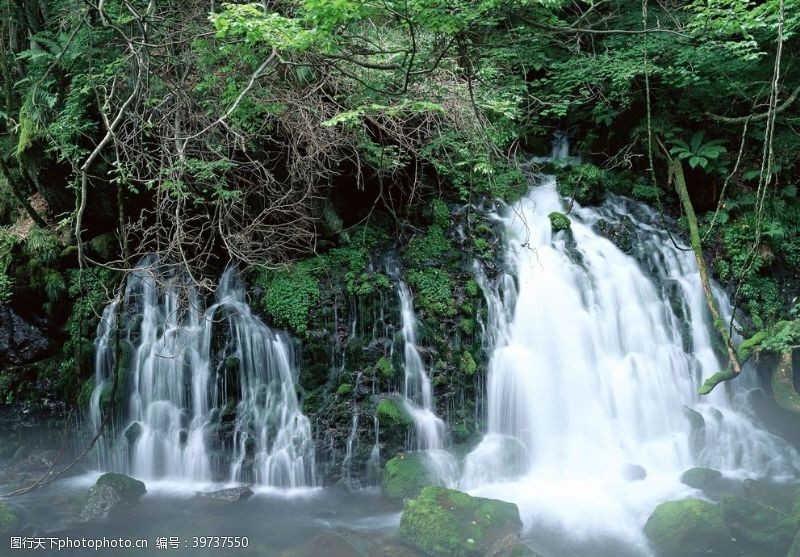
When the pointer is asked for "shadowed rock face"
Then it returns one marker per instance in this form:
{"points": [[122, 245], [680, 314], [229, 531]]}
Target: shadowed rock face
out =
{"points": [[20, 341]]}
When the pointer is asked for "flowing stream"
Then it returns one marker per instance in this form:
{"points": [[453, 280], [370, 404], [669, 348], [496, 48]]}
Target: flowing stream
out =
{"points": [[210, 394], [594, 373]]}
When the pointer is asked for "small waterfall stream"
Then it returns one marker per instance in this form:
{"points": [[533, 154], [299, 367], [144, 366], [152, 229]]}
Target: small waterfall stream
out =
{"points": [[592, 375], [211, 394]]}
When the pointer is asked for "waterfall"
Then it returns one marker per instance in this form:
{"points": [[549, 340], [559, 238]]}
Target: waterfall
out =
{"points": [[429, 432], [593, 372], [210, 394]]}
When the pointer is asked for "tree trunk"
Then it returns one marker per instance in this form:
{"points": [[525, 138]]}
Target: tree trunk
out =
{"points": [[734, 367]]}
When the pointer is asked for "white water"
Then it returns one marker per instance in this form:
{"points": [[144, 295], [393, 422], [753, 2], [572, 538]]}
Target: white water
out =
{"points": [[184, 361], [590, 375], [430, 431]]}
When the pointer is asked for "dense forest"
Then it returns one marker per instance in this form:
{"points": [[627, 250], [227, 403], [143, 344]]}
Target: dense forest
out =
{"points": [[332, 152]]}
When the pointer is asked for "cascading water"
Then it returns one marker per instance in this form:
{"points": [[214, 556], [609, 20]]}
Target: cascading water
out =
{"points": [[593, 374], [429, 431], [211, 394]]}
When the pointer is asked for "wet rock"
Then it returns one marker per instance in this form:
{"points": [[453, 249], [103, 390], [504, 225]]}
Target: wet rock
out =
{"points": [[133, 433], [230, 495], [634, 472], [444, 522], [510, 546], [404, 476], [688, 528], [328, 544], [622, 234], [111, 493], [701, 477], [766, 528], [9, 521], [20, 341]]}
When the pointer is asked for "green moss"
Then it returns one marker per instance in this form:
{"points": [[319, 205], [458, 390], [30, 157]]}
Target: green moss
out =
{"points": [[559, 221], [405, 475], [289, 295], [85, 395], [467, 364], [390, 413], [471, 288], [745, 349], [482, 249], [344, 389], [8, 519], [440, 213], [127, 487], [427, 248], [443, 522], [765, 527], [433, 290], [467, 326], [688, 528], [384, 367], [585, 183]]}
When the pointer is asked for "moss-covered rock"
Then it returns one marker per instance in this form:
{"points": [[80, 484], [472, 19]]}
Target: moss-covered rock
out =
{"points": [[8, 519], [585, 183], [559, 221], [701, 477], [110, 493], [765, 527], [405, 475], [443, 522], [688, 528]]}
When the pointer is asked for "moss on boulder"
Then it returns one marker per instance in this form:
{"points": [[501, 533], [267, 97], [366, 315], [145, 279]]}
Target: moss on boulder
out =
{"points": [[769, 529], [111, 492], [688, 528], [405, 475], [444, 522], [585, 183], [701, 477], [559, 221]]}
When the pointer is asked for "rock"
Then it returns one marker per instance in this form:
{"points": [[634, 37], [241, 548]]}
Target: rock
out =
{"points": [[559, 221], [230, 495], [765, 527], [133, 432], [110, 493], [510, 546], [328, 544], [688, 528], [20, 341], [405, 475], [8, 519], [622, 233], [701, 477], [443, 522], [634, 472]]}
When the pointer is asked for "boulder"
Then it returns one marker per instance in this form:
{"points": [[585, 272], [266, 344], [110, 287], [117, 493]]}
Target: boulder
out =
{"points": [[688, 528], [230, 495], [443, 522], [9, 521], [766, 528], [111, 493], [405, 475], [701, 477], [634, 472]]}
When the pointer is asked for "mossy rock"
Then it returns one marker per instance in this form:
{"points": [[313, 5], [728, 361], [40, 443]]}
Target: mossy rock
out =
{"points": [[443, 522], [585, 183], [559, 221], [111, 493], [701, 477], [765, 527], [9, 521], [405, 475], [688, 528]]}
